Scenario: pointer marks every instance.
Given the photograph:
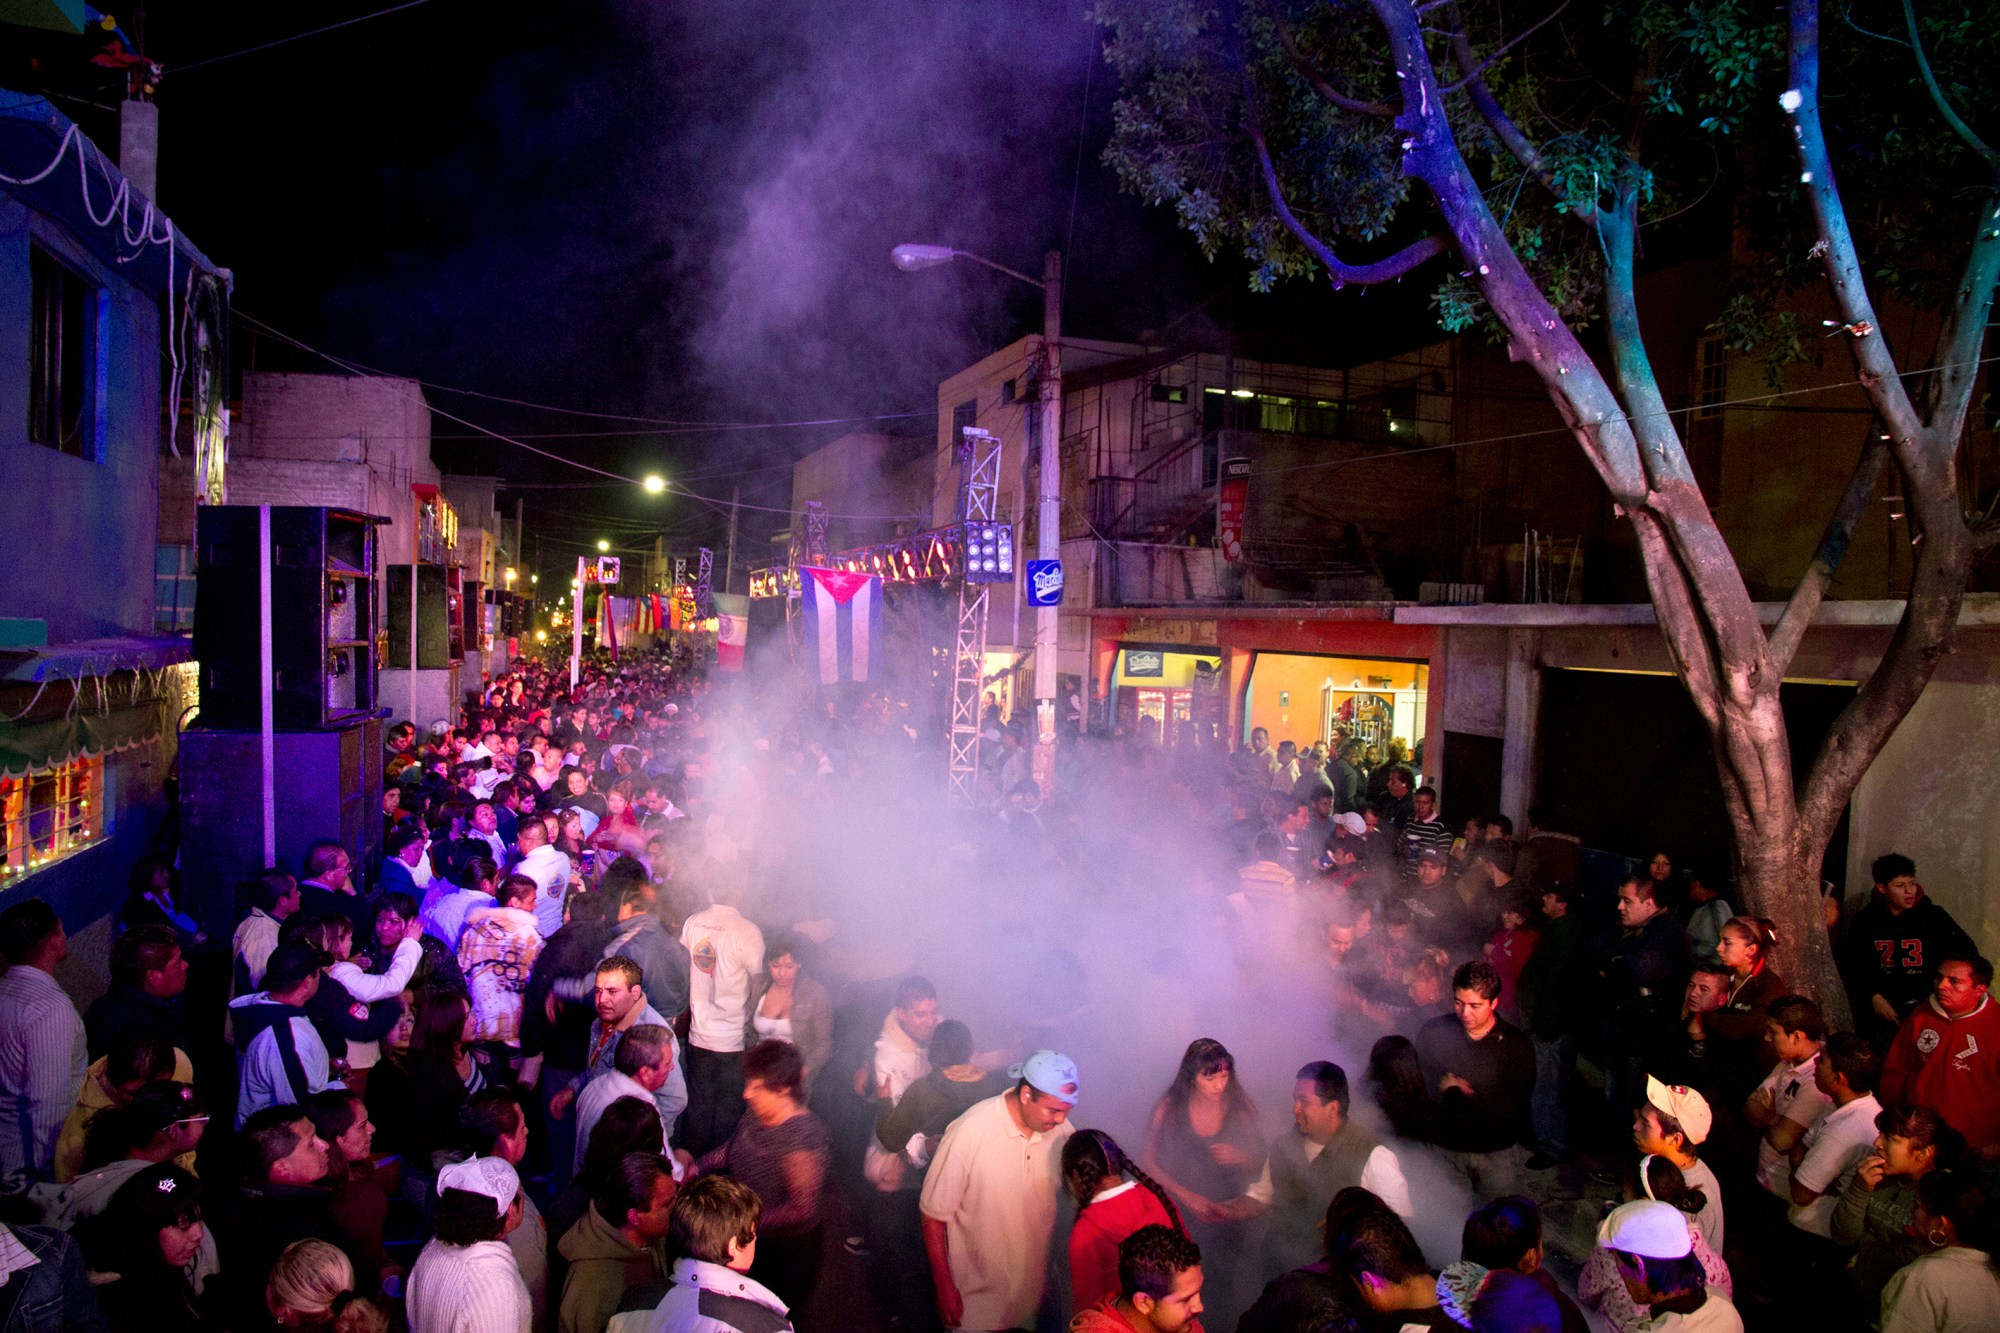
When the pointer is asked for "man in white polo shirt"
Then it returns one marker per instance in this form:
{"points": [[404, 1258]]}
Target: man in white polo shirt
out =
{"points": [[1788, 1102], [989, 1203], [1830, 1151]]}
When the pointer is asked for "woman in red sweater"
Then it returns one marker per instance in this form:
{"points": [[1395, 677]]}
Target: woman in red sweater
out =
{"points": [[1114, 1198]]}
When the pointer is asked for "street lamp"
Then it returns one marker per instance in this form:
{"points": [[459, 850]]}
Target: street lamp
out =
{"points": [[1048, 526], [654, 484], [603, 545]]}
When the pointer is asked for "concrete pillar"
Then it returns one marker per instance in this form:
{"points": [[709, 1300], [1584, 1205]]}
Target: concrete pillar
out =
{"points": [[1522, 690], [139, 146]]}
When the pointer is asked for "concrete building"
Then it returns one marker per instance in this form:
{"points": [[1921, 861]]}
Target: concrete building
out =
{"points": [[363, 443], [98, 348], [1425, 555]]}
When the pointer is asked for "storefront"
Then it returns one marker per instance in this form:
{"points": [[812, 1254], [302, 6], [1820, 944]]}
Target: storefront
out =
{"points": [[1295, 672], [1305, 697], [1156, 694]]}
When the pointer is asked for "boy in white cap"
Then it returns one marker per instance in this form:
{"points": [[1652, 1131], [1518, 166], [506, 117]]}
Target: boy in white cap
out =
{"points": [[989, 1203], [1650, 1244], [1671, 1123], [466, 1280]]}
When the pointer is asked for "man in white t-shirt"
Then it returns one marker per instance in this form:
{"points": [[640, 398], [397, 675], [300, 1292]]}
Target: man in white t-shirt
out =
{"points": [[1672, 1123], [989, 1202], [725, 954], [1828, 1154], [1788, 1102]]}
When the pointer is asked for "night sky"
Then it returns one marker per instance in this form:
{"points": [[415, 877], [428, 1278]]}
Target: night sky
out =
{"points": [[666, 209]]}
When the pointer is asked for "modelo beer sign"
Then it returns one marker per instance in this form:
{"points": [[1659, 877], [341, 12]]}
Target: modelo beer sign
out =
{"points": [[1045, 583]]}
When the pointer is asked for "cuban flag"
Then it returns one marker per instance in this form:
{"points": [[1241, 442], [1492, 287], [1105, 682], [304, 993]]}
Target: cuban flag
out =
{"points": [[843, 622]]}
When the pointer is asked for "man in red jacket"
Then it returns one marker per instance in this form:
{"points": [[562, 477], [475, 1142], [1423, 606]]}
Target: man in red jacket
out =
{"points": [[1947, 1054]]}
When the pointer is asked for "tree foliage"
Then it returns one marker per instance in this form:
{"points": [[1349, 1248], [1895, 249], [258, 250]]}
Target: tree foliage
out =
{"points": [[1677, 100]]}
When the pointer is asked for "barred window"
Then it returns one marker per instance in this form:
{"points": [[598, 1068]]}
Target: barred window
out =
{"points": [[1711, 377], [173, 589], [49, 815]]}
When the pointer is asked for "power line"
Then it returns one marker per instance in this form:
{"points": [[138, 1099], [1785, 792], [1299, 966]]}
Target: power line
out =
{"points": [[296, 37], [675, 425], [720, 505]]}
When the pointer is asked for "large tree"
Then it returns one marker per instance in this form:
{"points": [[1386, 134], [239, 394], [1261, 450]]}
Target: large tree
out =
{"points": [[1307, 134]]}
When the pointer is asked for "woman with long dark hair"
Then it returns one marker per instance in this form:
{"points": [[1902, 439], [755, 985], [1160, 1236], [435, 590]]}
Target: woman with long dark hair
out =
{"points": [[444, 1069], [1396, 1080], [1114, 1198], [785, 1153], [151, 1238], [1205, 1147]]}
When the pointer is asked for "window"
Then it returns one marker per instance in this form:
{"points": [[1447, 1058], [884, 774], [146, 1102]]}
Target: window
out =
{"points": [[963, 416], [173, 589], [49, 815], [1007, 391], [1711, 377], [62, 358], [1170, 393]]}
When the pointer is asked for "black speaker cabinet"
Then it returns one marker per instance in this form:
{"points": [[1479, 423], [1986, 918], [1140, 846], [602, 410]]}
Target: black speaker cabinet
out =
{"points": [[440, 635], [323, 651], [325, 784]]}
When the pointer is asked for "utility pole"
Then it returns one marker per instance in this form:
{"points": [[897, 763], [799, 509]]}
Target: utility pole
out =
{"points": [[729, 569], [576, 629], [1048, 520]]}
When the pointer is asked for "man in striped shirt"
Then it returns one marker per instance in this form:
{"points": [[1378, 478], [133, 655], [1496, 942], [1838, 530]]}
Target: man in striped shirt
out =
{"points": [[42, 1047]]}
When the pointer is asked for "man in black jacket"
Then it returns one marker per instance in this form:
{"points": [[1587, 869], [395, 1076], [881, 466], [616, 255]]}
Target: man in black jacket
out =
{"points": [[1892, 948], [1554, 991], [1644, 965], [148, 975], [1479, 1073], [276, 1203]]}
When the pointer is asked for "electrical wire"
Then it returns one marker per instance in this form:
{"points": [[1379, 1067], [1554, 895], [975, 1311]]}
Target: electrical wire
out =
{"points": [[677, 426], [672, 488], [295, 37]]}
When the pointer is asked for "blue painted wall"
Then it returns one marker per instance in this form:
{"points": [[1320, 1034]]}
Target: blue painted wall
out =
{"points": [[79, 533]]}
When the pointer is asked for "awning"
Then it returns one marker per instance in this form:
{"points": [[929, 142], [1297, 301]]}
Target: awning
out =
{"points": [[37, 746], [91, 657], [88, 729]]}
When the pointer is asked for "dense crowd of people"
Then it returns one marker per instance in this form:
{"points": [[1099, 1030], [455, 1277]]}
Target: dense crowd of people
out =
{"points": [[658, 1012]]}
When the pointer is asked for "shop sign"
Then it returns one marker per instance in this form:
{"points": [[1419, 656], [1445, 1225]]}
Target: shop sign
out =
{"points": [[1232, 498], [1200, 632], [1045, 583], [1145, 662]]}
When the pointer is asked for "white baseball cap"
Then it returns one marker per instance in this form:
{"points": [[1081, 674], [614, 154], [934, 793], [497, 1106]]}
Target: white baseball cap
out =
{"points": [[492, 1176], [1647, 1228]]}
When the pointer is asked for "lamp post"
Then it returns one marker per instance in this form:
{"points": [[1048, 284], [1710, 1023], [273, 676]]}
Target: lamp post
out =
{"points": [[1048, 525]]}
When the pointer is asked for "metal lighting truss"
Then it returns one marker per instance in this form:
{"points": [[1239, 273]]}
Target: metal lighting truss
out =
{"points": [[978, 503]]}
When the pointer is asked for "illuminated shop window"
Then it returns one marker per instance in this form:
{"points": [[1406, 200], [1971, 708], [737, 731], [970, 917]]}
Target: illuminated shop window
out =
{"points": [[49, 815]]}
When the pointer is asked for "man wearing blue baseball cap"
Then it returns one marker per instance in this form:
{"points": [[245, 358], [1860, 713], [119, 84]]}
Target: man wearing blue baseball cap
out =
{"points": [[989, 1203]]}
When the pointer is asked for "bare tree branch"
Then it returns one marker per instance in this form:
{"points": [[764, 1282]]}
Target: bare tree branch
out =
{"points": [[1318, 81], [1962, 335], [1479, 71], [1472, 80], [1790, 630], [1951, 117], [1872, 357], [1385, 270]]}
